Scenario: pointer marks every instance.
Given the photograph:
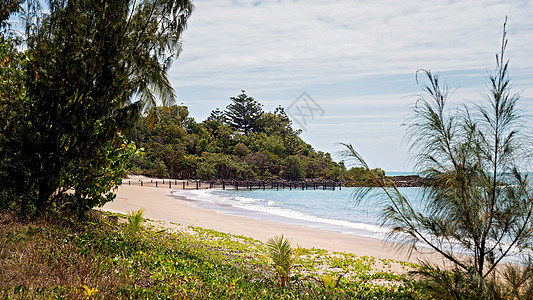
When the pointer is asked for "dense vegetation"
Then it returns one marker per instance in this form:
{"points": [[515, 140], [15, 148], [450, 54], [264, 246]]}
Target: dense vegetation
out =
{"points": [[241, 142], [89, 69], [102, 259]]}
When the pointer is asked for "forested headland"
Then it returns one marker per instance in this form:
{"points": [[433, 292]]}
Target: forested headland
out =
{"points": [[241, 142]]}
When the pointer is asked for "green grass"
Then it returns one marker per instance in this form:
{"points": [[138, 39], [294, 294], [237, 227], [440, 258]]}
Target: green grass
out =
{"points": [[97, 260]]}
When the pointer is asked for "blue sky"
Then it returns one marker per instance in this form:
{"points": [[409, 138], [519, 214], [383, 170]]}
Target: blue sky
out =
{"points": [[356, 59]]}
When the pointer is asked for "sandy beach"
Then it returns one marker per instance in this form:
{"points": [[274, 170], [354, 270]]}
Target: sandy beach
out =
{"points": [[158, 204]]}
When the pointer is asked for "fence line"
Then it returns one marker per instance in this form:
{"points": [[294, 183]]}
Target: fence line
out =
{"points": [[236, 184]]}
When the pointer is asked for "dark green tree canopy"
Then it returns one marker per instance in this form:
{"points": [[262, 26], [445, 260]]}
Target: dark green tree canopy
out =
{"points": [[180, 147], [244, 114], [216, 115], [93, 67]]}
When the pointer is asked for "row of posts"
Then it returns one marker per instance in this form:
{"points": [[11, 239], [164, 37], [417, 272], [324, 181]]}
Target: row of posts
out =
{"points": [[277, 185], [186, 182]]}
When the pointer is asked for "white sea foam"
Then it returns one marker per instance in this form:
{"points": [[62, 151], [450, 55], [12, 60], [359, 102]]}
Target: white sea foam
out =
{"points": [[272, 208], [306, 213]]}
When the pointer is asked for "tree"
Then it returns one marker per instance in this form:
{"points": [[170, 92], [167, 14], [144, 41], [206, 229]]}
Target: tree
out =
{"points": [[94, 66], [277, 123], [294, 167], [244, 113], [478, 201], [216, 115]]}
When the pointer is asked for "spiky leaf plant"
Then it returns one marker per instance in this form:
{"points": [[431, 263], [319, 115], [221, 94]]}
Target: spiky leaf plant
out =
{"points": [[135, 222], [282, 256]]}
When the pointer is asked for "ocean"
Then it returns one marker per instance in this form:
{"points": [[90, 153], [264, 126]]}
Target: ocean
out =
{"points": [[333, 210]]}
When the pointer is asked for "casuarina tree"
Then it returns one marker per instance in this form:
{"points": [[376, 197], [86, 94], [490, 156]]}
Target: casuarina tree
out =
{"points": [[478, 199]]}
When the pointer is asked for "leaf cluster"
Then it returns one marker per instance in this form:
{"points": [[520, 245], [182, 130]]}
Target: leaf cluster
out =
{"points": [[179, 147], [90, 69]]}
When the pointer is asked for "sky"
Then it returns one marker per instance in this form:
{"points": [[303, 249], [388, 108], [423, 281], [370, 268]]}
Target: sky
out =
{"points": [[356, 62], [345, 71]]}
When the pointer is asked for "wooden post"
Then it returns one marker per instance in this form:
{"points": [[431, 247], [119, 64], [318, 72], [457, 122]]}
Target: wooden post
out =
{"points": [[183, 184], [141, 183], [156, 183], [169, 184], [129, 182]]}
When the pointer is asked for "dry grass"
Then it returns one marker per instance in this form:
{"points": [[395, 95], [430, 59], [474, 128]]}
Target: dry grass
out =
{"points": [[96, 259], [34, 257]]}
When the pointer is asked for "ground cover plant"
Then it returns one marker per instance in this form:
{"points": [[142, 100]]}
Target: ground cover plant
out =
{"points": [[96, 259]]}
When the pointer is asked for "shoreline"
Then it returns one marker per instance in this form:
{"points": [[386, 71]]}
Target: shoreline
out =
{"points": [[177, 212], [283, 215]]}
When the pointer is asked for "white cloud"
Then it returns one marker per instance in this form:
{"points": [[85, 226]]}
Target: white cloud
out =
{"points": [[296, 43], [277, 49]]}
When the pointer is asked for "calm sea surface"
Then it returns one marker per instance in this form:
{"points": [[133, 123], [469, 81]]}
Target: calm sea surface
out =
{"points": [[324, 209]]}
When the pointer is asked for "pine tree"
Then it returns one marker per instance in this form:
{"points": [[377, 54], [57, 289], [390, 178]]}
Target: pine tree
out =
{"points": [[244, 114]]}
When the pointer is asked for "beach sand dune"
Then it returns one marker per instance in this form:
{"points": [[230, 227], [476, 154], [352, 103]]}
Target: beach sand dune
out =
{"points": [[158, 204]]}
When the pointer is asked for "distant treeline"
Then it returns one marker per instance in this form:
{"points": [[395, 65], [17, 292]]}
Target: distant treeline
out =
{"points": [[241, 142]]}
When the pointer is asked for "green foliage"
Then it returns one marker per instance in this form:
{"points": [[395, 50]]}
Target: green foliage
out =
{"points": [[58, 261], [106, 175], [134, 223], [7, 8], [179, 147], [244, 114], [282, 256], [241, 150], [91, 67], [206, 170], [514, 282], [477, 199], [295, 167]]}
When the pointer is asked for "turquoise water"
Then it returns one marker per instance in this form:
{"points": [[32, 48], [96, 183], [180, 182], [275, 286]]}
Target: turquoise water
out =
{"points": [[324, 209]]}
